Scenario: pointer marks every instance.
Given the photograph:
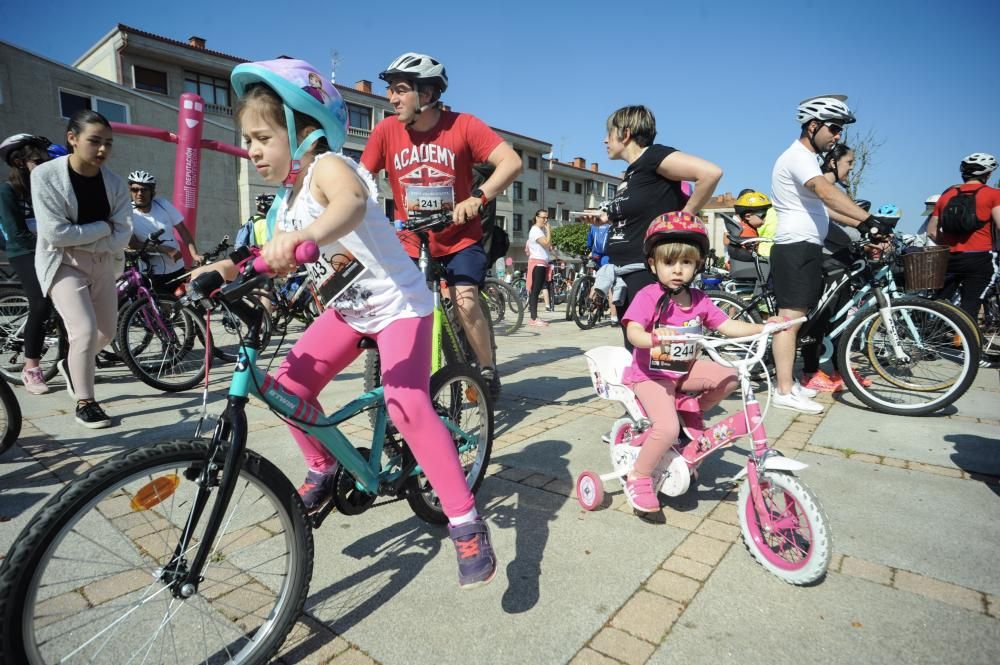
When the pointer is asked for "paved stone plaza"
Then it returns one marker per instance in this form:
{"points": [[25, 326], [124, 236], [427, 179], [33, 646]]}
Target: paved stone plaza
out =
{"points": [[912, 503]]}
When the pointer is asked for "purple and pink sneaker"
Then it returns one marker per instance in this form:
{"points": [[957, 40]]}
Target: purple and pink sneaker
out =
{"points": [[477, 564]]}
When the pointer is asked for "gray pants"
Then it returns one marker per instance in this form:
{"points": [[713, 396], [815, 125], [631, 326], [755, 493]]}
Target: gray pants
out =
{"points": [[84, 294]]}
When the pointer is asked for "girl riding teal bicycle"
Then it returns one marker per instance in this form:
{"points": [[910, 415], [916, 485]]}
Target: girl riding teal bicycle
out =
{"points": [[294, 129]]}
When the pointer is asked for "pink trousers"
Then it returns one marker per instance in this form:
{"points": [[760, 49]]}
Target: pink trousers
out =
{"points": [[330, 344], [712, 380]]}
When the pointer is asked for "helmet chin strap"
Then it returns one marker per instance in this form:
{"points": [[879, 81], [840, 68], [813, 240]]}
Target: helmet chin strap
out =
{"points": [[298, 150]]}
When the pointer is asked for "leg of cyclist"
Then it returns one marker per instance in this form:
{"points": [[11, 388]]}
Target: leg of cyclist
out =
{"points": [[536, 275], [657, 399], [405, 376], [465, 270], [712, 382], [39, 310]]}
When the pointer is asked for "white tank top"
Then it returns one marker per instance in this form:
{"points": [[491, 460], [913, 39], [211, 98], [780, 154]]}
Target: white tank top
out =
{"points": [[388, 287]]}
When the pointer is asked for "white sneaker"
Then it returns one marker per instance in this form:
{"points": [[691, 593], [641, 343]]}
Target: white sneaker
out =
{"points": [[802, 391], [795, 402]]}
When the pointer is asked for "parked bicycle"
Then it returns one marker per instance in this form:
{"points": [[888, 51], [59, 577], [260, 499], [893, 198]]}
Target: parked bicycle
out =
{"points": [[200, 550], [916, 356], [10, 418], [590, 306]]}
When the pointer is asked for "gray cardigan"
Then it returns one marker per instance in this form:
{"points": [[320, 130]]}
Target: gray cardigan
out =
{"points": [[55, 209]]}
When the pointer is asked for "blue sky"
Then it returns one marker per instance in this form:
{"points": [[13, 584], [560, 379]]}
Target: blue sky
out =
{"points": [[722, 77]]}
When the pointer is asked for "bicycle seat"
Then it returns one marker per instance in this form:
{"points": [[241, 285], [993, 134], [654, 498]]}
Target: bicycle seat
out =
{"points": [[367, 343]]}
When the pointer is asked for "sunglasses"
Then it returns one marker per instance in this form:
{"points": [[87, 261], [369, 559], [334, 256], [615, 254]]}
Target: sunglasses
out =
{"points": [[834, 127], [140, 190]]}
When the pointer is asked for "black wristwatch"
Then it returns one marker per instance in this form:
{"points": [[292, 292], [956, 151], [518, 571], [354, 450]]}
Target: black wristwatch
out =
{"points": [[482, 197]]}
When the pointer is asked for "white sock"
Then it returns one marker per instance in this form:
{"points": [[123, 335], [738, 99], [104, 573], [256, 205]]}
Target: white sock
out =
{"points": [[467, 518]]}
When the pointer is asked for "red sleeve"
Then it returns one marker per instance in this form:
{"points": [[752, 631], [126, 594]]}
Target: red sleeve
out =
{"points": [[373, 158], [481, 139]]}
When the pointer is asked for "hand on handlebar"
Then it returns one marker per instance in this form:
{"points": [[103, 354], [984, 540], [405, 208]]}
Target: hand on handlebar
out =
{"points": [[466, 210], [279, 252]]}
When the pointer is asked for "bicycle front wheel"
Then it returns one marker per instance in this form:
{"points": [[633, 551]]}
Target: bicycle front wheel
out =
{"points": [[462, 400], [163, 344], [92, 578], [10, 417], [797, 547], [917, 360]]}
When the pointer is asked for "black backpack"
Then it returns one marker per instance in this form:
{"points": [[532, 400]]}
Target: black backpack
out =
{"points": [[496, 241], [959, 214]]}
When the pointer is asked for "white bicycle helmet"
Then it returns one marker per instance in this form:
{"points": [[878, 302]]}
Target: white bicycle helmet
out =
{"points": [[979, 163], [825, 108], [142, 178], [418, 67], [930, 202], [12, 143]]}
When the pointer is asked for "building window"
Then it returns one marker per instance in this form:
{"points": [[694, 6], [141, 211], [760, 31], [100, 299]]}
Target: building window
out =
{"points": [[612, 191], [517, 191], [212, 90], [552, 183], [532, 194], [578, 187], [501, 221], [518, 223], [533, 163], [149, 79], [591, 186], [359, 117], [71, 102], [565, 185], [552, 213], [565, 215]]}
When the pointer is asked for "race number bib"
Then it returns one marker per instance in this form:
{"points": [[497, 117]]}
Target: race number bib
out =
{"points": [[332, 274], [675, 355], [426, 200]]}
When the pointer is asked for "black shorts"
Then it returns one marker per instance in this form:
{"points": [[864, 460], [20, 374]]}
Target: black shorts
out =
{"points": [[797, 274], [466, 267]]}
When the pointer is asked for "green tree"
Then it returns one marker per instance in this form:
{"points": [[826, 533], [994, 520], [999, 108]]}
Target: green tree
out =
{"points": [[571, 239]]}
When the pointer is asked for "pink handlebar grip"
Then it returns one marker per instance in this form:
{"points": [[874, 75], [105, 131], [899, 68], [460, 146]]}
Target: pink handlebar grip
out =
{"points": [[306, 252]]}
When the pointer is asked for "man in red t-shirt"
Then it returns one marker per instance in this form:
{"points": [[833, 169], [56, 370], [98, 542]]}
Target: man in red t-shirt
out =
{"points": [[972, 266], [428, 154]]}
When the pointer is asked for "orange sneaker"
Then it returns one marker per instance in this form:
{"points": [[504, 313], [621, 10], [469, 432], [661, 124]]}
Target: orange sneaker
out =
{"points": [[857, 375], [821, 382]]}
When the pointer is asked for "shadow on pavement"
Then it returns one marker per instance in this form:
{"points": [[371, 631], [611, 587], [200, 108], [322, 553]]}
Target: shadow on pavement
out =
{"points": [[978, 456], [529, 516]]}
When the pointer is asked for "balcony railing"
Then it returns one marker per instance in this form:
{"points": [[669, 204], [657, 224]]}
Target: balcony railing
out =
{"points": [[359, 132], [219, 109]]}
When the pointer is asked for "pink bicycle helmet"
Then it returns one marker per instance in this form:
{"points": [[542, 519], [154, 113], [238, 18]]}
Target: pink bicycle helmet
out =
{"points": [[677, 226]]}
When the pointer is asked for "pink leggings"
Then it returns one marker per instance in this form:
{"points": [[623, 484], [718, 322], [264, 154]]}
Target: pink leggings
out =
{"points": [[712, 380], [330, 344]]}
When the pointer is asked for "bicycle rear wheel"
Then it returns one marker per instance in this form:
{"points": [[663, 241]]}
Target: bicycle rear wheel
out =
{"points": [[163, 344], [990, 330], [462, 400], [10, 417], [937, 361], [13, 315], [92, 578]]}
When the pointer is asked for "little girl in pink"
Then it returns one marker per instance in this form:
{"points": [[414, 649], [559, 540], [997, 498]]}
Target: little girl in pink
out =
{"points": [[675, 246]]}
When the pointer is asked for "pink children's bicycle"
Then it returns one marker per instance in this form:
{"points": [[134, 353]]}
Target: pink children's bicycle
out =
{"points": [[782, 523]]}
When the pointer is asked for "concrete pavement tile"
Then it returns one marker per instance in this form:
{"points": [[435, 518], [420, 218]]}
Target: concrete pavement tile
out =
{"points": [[538, 480], [648, 616], [622, 646], [353, 657], [673, 586], [866, 570], [689, 567], [836, 561], [686, 521], [866, 458], [940, 591], [588, 656], [909, 520], [993, 605], [893, 461], [703, 549], [563, 487], [726, 512], [719, 531], [935, 469], [514, 474], [841, 620], [821, 450], [311, 643]]}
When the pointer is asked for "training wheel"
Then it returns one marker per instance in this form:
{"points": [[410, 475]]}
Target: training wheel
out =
{"points": [[589, 490]]}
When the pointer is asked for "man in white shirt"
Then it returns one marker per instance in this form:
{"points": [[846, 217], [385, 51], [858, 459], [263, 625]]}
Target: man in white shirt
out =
{"points": [[150, 214], [804, 201]]}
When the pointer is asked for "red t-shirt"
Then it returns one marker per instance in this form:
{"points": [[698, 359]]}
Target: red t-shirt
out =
{"points": [[979, 240], [432, 170]]}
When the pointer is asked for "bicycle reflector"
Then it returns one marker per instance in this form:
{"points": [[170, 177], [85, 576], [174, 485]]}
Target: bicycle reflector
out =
{"points": [[155, 492], [472, 394]]}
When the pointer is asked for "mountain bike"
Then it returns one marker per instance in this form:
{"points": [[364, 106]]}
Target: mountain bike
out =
{"points": [[918, 355], [200, 550], [589, 305], [784, 527]]}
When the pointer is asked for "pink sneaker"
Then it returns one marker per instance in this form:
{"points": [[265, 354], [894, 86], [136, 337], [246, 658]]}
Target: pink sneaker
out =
{"points": [[640, 495], [34, 381], [538, 323], [821, 382], [857, 375]]}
